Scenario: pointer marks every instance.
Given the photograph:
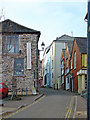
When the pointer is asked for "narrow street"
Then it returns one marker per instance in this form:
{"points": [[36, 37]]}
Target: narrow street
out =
{"points": [[54, 104]]}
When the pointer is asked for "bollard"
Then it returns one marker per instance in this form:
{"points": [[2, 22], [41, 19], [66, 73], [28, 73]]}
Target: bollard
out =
{"points": [[54, 86], [22, 91], [12, 95], [57, 86], [26, 91]]}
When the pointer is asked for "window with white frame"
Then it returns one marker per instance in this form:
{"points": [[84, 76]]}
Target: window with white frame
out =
{"points": [[11, 44], [67, 63], [75, 60], [71, 64], [62, 67], [62, 79]]}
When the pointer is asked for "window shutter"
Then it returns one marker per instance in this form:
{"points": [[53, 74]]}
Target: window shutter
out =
{"points": [[28, 55]]}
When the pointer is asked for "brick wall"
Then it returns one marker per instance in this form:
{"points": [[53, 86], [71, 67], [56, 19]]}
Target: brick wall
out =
{"points": [[78, 65]]}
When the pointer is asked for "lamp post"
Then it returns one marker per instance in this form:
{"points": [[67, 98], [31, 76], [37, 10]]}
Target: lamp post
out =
{"points": [[42, 45], [88, 62]]}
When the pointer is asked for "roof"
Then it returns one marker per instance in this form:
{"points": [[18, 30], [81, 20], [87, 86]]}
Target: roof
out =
{"points": [[9, 26], [65, 38], [70, 45], [82, 44]]}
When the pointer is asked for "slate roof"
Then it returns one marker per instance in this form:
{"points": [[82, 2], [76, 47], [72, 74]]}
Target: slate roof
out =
{"points": [[63, 51], [65, 38], [82, 44], [70, 46], [9, 26]]}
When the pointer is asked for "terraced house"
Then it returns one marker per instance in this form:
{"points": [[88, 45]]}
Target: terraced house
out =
{"points": [[74, 65], [18, 55], [51, 58], [79, 64], [68, 66]]}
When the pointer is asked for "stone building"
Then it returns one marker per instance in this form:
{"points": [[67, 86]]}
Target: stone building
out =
{"points": [[18, 55]]}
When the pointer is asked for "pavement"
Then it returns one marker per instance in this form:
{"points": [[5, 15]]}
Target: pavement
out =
{"points": [[10, 106], [81, 107]]}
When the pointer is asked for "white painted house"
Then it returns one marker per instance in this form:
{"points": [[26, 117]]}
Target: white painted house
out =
{"points": [[56, 50]]}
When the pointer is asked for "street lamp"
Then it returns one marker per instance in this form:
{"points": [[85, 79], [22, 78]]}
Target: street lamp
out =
{"points": [[86, 18], [88, 63], [42, 45]]}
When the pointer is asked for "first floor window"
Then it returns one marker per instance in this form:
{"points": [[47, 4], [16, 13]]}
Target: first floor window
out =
{"points": [[11, 44], [18, 66]]}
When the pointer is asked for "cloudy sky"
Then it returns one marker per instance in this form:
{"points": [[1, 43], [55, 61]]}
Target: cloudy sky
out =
{"points": [[52, 17]]}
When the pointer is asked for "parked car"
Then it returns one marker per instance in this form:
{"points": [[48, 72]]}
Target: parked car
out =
{"points": [[3, 90]]}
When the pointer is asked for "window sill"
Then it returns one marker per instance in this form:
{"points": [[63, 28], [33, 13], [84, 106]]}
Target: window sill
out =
{"points": [[11, 54], [19, 75]]}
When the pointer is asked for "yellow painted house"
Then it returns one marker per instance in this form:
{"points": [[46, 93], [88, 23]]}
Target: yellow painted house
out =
{"points": [[82, 74]]}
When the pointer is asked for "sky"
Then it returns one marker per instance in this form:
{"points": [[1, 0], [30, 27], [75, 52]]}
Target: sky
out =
{"points": [[53, 18]]}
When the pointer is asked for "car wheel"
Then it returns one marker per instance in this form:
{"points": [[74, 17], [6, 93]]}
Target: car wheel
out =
{"points": [[2, 95]]}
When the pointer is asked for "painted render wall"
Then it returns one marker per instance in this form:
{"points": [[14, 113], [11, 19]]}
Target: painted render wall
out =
{"points": [[52, 67], [58, 50]]}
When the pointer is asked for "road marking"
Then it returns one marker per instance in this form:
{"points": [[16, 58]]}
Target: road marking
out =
{"points": [[12, 114], [70, 109], [75, 107]]}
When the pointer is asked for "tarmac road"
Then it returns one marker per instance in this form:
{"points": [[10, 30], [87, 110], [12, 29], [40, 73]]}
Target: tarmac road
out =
{"points": [[55, 104]]}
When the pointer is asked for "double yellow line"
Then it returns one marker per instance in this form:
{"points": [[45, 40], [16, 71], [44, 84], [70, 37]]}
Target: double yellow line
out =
{"points": [[70, 109], [20, 110]]}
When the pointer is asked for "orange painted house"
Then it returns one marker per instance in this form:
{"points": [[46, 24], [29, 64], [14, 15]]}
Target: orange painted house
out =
{"points": [[67, 66], [78, 50]]}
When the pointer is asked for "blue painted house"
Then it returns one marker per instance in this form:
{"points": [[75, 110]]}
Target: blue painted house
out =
{"points": [[48, 67]]}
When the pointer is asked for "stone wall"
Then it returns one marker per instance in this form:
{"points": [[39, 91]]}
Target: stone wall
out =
{"points": [[0, 58], [25, 81]]}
